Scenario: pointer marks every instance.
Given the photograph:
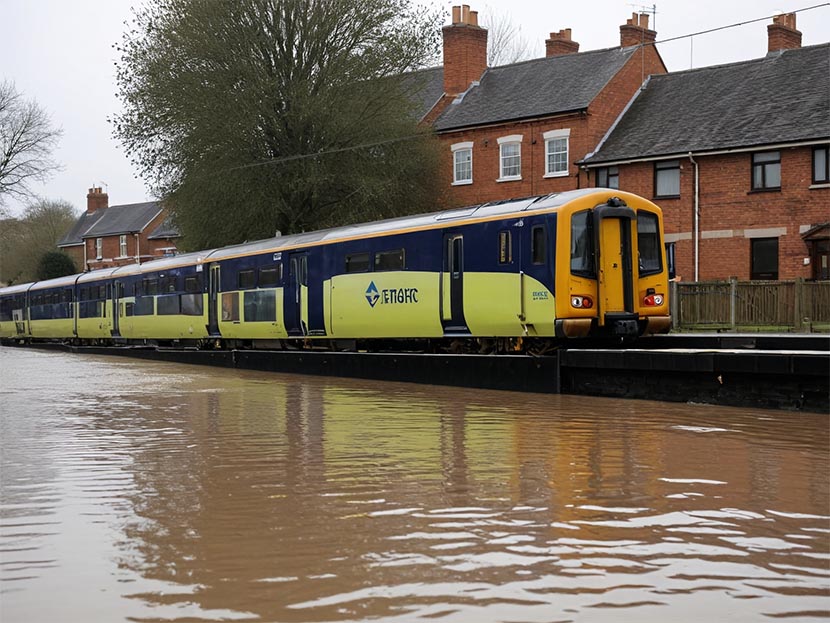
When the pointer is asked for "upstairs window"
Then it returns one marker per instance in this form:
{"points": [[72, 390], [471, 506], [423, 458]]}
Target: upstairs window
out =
{"points": [[357, 263], [389, 260], [608, 177], [821, 165], [270, 277], [510, 158], [246, 279], [122, 245], [462, 163], [667, 178], [766, 170], [556, 152], [99, 248]]}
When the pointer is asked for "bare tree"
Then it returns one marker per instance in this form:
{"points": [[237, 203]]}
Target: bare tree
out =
{"points": [[505, 42], [27, 140]]}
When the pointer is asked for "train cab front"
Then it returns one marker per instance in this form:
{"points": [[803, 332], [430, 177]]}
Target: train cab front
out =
{"points": [[612, 267]]}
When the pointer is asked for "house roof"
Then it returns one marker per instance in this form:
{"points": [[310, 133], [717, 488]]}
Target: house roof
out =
{"points": [[426, 86], [783, 97], [165, 230], [535, 88], [123, 219], [82, 225]]}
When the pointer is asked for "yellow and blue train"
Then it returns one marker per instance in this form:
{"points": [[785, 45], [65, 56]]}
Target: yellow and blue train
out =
{"points": [[575, 264]]}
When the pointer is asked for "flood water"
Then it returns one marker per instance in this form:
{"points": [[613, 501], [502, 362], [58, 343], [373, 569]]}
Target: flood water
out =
{"points": [[145, 491]]}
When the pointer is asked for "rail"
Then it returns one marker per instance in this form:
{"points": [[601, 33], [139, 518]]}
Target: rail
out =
{"points": [[799, 305]]}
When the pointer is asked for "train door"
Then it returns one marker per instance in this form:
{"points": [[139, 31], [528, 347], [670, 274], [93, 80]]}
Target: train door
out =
{"points": [[452, 285], [213, 300], [117, 292], [295, 295], [615, 305]]}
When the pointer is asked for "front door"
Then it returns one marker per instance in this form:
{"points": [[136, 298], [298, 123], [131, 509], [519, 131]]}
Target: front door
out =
{"points": [[296, 299], [615, 278], [213, 300], [452, 285]]}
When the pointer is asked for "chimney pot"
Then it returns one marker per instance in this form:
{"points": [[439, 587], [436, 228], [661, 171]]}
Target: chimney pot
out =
{"points": [[635, 31], [560, 43], [96, 199], [782, 34], [465, 50]]}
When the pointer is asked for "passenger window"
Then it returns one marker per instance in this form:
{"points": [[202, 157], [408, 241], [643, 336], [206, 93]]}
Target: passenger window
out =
{"points": [[389, 260], [192, 284], [270, 277], [505, 247], [149, 287], [246, 279], [230, 306], [648, 244], [357, 263], [537, 245], [582, 245]]}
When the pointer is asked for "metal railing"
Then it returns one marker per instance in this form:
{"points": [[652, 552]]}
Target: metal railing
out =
{"points": [[751, 305]]}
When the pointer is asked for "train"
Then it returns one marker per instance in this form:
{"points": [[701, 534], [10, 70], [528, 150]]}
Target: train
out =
{"points": [[505, 276]]}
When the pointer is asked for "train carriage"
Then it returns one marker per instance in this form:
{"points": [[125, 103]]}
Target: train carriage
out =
{"points": [[582, 263]]}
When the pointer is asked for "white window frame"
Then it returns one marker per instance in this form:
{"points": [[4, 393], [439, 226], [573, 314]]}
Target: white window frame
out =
{"points": [[99, 248], [457, 150], [513, 139], [122, 245], [551, 138]]}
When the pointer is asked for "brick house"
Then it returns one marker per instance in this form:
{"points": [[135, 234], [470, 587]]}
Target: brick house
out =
{"points": [[737, 157], [519, 130], [105, 236]]}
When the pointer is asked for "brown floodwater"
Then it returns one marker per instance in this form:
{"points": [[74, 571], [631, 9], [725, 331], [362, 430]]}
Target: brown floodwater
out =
{"points": [[145, 491]]}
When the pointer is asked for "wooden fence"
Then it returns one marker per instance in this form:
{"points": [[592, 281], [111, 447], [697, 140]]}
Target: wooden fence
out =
{"points": [[752, 305]]}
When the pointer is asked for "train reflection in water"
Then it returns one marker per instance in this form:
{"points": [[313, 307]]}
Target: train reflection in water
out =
{"points": [[260, 497]]}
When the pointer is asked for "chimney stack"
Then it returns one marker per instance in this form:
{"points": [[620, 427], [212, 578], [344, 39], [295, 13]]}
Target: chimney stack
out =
{"points": [[96, 199], [560, 43], [635, 31], [465, 50], [781, 34]]}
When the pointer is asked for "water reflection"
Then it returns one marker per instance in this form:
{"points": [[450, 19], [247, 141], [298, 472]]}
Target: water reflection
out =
{"points": [[144, 491]]}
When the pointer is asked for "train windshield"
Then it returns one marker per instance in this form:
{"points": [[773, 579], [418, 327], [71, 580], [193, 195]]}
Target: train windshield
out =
{"points": [[648, 243], [582, 244]]}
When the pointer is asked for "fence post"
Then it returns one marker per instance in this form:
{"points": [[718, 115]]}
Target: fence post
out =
{"points": [[733, 302], [798, 303], [674, 304]]}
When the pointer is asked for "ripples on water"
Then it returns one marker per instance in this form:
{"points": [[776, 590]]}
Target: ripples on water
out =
{"points": [[153, 492]]}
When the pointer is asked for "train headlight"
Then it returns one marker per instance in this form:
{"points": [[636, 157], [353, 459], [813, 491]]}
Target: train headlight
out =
{"points": [[581, 302], [653, 300]]}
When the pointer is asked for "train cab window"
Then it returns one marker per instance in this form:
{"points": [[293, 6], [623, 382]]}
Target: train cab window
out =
{"points": [[505, 247], [192, 284], [648, 244], [357, 263], [582, 245], [537, 244], [389, 260], [246, 279], [270, 277]]}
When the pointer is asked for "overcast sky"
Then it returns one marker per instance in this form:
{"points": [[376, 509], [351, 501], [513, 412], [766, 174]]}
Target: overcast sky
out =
{"points": [[61, 54]]}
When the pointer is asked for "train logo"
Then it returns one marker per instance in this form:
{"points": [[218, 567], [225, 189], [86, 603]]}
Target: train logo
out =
{"points": [[372, 294]]}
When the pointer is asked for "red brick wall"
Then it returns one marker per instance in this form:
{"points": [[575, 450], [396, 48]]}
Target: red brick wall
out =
{"points": [[731, 211]]}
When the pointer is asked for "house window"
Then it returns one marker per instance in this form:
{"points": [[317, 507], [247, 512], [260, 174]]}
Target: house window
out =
{"points": [[766, 170], [821, 165], [122, 245], [764, 258], [556, 152], [667, 178], [510, 158], [608, 177], [462, 163], [99, 248]]}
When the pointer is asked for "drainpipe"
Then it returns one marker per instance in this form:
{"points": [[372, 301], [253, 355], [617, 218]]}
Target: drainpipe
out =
{"points": [[697, 216]]}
